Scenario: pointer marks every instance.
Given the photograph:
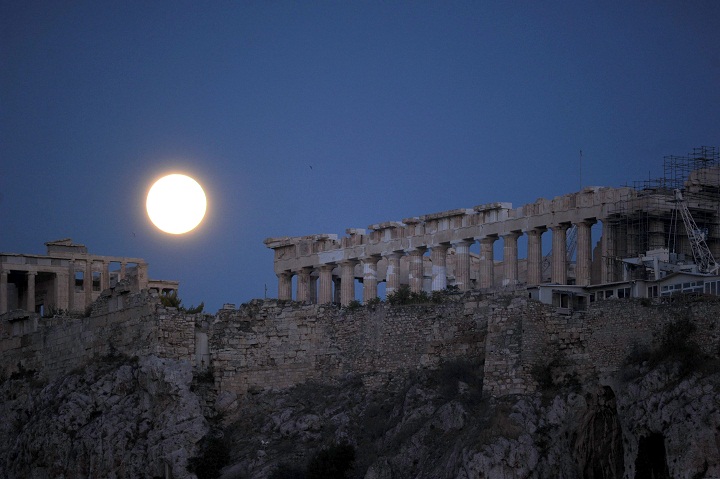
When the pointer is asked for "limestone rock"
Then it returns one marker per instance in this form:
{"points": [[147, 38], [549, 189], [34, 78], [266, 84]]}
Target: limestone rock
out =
{"points": [[115, 418]]}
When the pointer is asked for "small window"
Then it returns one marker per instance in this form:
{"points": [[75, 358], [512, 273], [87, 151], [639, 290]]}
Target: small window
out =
{"points": [[96, 280], [79, 280], [592, 297]]}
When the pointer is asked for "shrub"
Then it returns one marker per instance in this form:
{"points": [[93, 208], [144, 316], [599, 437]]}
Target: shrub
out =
{"points": [[196, 309], [400, 295], [675, 346], [171, 300], [374, 302], [354, 305]]}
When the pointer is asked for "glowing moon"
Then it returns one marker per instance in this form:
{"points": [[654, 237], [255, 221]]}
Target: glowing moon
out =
{"points": [[176, 204]]}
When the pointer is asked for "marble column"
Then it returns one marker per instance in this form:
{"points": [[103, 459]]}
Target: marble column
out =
{"points": [[105, 280], [510, 258], [87, 283], [71, 286], [416, 269], [607, 251], [462, 263], [584, 252], [347, 282], [438, 256], [393, 272], [534, 256], [62, 295], [313, 288], [487, 261], [303, 285], [326, 283], [30, 299], [3, 292], [142, 276], [285, 286], [370, 278], [559, 254], [336, 293]]}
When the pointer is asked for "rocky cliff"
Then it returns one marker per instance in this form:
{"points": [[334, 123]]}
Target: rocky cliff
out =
{"points": [[115, 418], [663, 423], [627, 390]]}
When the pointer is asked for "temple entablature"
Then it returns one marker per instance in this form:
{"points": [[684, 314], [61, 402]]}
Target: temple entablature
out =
{"points": [[432, 250]]}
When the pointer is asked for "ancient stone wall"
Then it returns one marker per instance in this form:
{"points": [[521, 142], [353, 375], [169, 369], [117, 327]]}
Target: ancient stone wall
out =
{"points": [[526, 339], [54, 346], [278, 344]]}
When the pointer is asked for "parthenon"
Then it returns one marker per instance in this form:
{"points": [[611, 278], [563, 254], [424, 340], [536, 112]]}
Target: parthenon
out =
{"points": [[433, 251]]}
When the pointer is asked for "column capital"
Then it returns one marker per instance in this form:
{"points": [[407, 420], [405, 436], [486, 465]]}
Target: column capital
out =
{"points": [[512, 234], [586, 222], [30, 273], [560, 226], [489, 239], [327, 267], [418, 251], [371, 259], [462, 242], [394, 254], [348, 262], [536, 231]]}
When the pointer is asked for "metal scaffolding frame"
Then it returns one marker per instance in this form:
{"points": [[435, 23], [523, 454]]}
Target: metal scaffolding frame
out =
{"points": [[649, 218]]}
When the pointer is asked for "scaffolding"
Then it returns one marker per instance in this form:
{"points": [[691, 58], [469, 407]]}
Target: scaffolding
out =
{"points": [[648, 220]]}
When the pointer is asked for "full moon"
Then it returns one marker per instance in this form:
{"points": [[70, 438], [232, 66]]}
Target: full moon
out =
{"points": [[176, 204]]}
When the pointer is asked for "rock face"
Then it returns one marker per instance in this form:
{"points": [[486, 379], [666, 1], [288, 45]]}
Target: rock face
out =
{"points": [[115, 418], [438, 425], [524, 393]]}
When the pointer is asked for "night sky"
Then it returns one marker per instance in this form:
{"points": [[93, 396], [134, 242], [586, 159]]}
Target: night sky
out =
{"points": [[313, 117]]}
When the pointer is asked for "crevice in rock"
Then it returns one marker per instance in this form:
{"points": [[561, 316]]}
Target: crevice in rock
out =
{"points": [[599, 446], [651, 462]]}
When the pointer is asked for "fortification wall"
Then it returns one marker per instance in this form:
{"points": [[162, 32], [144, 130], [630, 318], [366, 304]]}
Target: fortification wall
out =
{"points": [[133, 325], [526, 338], [278, 344]]}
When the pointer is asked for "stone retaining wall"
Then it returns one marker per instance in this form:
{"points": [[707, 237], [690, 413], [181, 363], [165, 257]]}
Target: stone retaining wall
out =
{"points": [[54, 346], [275, 344]]}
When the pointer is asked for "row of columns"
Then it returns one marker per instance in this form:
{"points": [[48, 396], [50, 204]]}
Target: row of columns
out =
{"points": [[438, 255], [66, 278], [30, 291]]}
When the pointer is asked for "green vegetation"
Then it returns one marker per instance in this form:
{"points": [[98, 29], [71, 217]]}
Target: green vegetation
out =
{"points": [[354, 305], [676, 346], [403, 296], [171, 300]]}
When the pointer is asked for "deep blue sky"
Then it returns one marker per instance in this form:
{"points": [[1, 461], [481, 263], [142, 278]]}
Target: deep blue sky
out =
{"points": [[401, 109]]}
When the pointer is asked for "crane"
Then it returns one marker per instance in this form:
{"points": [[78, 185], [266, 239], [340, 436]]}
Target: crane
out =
{"points": [[701, 253]]}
